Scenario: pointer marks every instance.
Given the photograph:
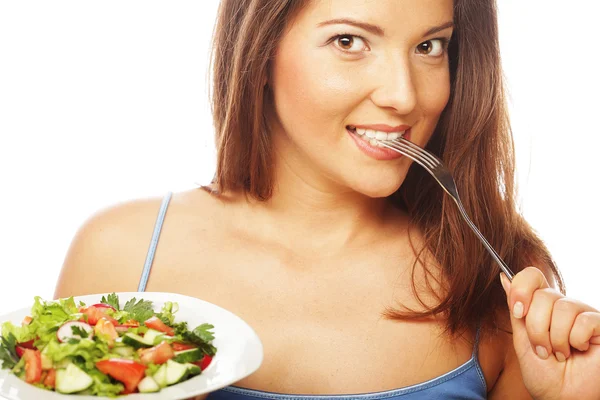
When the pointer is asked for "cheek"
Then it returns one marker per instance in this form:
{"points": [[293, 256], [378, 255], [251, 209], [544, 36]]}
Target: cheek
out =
{"points": [[309, 89], [434, 93]]}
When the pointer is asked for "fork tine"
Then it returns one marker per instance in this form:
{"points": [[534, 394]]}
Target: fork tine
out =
{"points": [[410, 153], [434, 159]]}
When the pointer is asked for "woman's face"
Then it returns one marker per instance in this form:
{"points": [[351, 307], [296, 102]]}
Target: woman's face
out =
{"points": [[347, 67]]}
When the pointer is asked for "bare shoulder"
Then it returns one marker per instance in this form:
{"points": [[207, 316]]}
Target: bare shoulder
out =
{"points": [[108, 252]]}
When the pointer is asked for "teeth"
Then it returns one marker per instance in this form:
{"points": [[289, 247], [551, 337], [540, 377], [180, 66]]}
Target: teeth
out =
{"points": [[381, 135], [374, 137]]}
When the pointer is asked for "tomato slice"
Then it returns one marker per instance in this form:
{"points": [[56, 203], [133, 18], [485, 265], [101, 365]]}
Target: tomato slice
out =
{"points": [[20, 350], [156, 324], [50, 379], [28, 344], [204, 362], [105, 329], [159, 354], [177, 346], [33, 365], [103, 305], [94, 314], [127, 371]]}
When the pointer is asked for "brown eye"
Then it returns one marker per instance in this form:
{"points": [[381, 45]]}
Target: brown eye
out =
{"points": [[350, 43], [434, 48], [346, 42]]}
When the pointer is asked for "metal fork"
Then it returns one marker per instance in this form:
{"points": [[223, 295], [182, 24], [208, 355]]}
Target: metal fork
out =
{"points": [[438, 170]]}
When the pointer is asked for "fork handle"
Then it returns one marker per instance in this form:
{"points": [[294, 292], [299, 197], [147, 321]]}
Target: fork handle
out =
{"points": [[489, 247]]}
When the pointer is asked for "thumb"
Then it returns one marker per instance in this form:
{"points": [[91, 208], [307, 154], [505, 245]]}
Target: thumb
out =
{"points": [[521, 340]]}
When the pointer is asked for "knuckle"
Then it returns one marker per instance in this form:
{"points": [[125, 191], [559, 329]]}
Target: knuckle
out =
{"points": [[585, 319], [566, 304], [547, 294]]}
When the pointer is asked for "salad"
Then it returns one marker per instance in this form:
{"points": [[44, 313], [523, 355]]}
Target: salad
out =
{"points": [[104, 349]]}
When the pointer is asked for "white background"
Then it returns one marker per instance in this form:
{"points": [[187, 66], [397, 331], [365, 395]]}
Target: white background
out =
{"points": [[102, 102]]}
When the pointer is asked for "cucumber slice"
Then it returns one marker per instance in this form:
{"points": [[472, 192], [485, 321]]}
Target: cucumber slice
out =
{"points": [[72, 380], [160, 376], [148, 385], [193, 369], [124, 351], [136, 341], [150, 338], [153, 337], [175, 372], [188, 356]]}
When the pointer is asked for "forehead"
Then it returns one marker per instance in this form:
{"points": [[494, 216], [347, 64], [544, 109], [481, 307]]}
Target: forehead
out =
{"points": [[392, 15]]}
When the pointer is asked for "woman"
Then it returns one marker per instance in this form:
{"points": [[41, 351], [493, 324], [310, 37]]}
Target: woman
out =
{"points": [[355, 270]]}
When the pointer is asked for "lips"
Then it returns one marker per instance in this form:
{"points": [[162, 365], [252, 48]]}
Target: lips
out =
{"points": [[370, 146]]}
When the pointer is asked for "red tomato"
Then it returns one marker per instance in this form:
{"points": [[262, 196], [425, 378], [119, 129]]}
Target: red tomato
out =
{"points": [[94, 314], [204, 363], [20, 350], [50, 379], [182, 346], [106, 329], [104, 305], [156, 324], [33, 365], [157, 355], [127, 371], [27, 320], [28, 344]]}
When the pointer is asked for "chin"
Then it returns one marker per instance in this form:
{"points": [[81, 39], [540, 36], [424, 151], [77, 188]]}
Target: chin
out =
{"points": [[378, 188]]}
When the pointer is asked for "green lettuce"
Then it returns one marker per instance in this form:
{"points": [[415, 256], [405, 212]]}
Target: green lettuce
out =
{"points": [[87, 351], [103, 386]]}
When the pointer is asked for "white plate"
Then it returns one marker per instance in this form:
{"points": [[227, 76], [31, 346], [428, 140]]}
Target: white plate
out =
{"points": [[239, 350]]}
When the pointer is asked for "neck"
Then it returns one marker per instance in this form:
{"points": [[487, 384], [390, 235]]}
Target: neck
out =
{"points": [[307, 210]]}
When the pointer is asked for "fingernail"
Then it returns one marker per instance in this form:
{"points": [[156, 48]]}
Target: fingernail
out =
{"points": [[505, 283], [541, 352], [518, 310], [560, 356]]}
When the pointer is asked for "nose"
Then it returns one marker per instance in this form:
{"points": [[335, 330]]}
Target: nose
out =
{"points": [[395, 88]]}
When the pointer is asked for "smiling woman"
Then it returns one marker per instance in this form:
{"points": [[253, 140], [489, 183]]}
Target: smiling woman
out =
{"points": [[311, 232]]}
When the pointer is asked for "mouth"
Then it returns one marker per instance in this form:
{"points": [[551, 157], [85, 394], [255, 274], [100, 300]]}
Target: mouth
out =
{"points": [[369, 140], [374, 137]]}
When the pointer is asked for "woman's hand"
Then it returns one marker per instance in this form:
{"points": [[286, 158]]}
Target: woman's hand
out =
{"points": [[556, 339]]}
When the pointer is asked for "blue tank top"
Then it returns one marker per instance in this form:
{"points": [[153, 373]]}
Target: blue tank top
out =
{"points": [[465, 382]]}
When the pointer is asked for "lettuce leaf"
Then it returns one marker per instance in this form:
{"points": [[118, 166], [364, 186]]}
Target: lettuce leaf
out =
{"points": [[103, 386], [47, 318], [87, 351]]}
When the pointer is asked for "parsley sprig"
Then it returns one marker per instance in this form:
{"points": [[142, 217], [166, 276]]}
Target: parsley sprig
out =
{"points": [[8, 353]]}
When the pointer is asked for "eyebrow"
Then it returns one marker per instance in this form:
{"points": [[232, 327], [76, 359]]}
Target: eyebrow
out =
{"points": [[439, 28], [377, 30], [374, 29]]}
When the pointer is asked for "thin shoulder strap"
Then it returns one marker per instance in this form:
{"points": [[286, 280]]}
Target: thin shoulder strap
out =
{"points": [[154, 242]]}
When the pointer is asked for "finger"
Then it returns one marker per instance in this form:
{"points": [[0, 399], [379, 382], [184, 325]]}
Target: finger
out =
{"points": [[564, 314], [539, 317], [586, 327], [521, 341], [522, 287]]}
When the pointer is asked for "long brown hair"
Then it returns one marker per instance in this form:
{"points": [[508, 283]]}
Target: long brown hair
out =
{"points": [[473, 137]]}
